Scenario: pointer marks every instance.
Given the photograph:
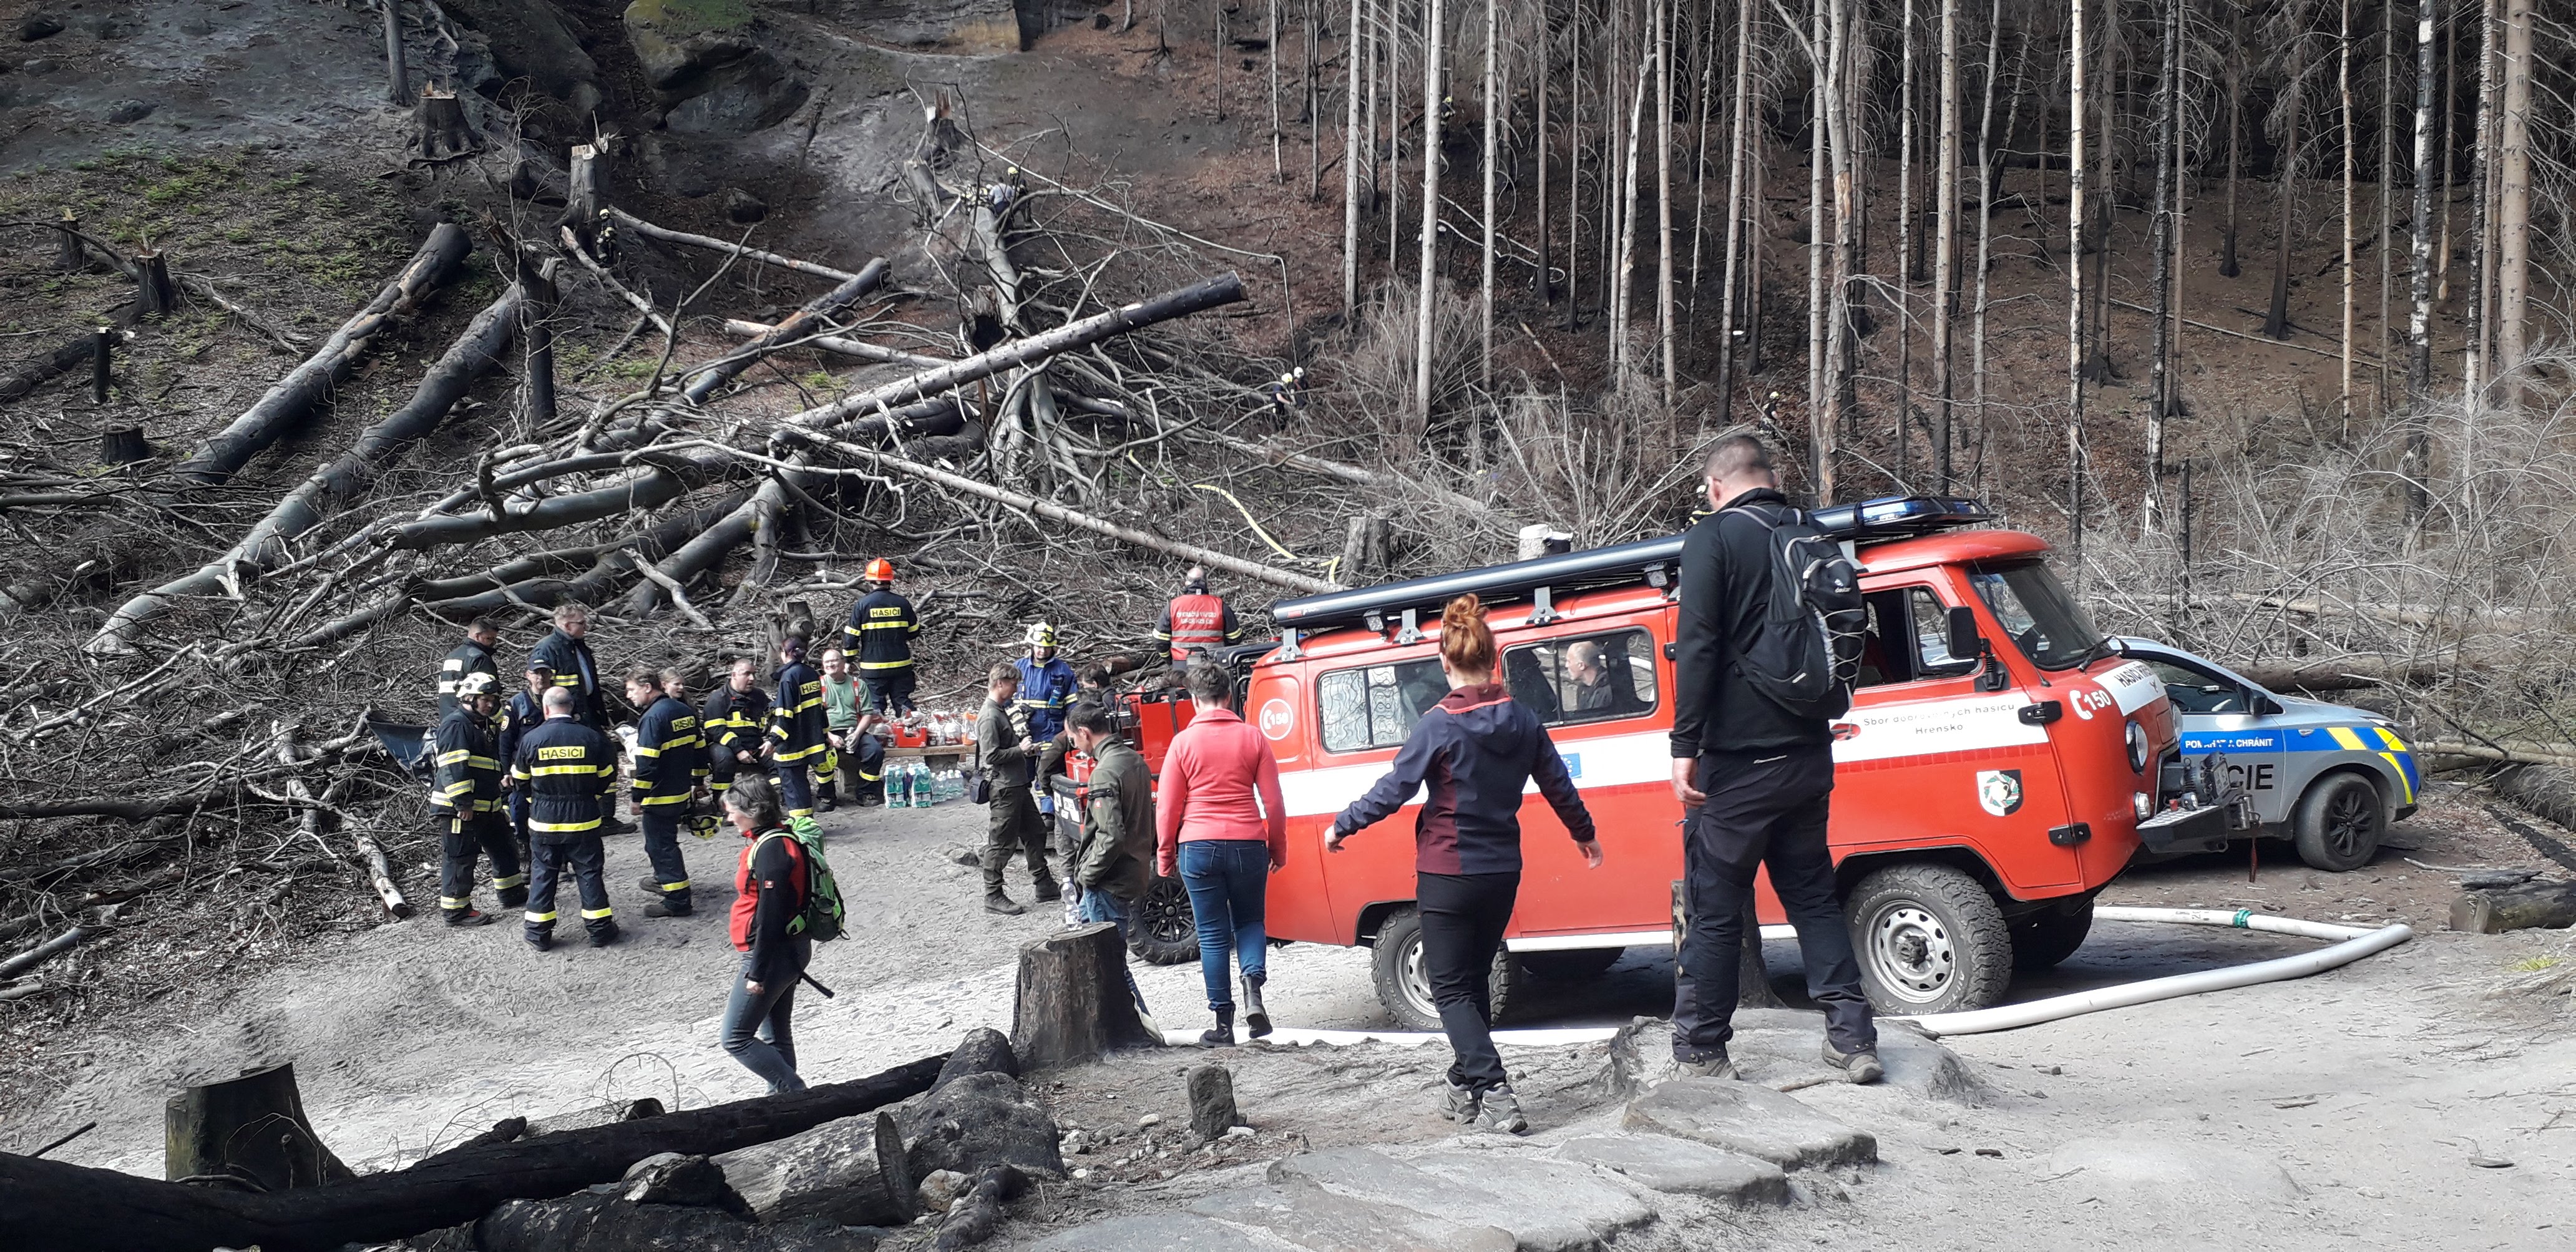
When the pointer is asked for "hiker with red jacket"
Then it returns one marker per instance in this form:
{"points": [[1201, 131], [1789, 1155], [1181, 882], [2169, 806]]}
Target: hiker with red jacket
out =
{"points": [[769, 894]]}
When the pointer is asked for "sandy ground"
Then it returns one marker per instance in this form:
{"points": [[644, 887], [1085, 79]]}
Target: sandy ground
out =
{"points": [[2370, 1089]]}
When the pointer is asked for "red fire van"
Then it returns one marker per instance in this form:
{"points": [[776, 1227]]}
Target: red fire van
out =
{"points": [[2000, 764]]}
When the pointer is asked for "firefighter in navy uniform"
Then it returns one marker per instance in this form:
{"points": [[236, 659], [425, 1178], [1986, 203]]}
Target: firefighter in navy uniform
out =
{"points": [[570, 772], [880, 634], [466, 791], [798, 729], [522, 714], [670, 755], [1197, 621], [566, 654], [1047, 689], [474, 656], [735, 722]]}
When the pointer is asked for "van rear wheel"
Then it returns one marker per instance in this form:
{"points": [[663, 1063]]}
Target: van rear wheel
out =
{"points": [[1404, 979], [1930, 940]]}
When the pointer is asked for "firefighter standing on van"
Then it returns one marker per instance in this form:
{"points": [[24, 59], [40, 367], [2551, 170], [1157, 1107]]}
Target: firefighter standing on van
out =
{"points": [[880, 634], [1756, 780], [797, 729], [736, 723], [1005, 751], [1474, 751], [570, 772], [1196, 621], [670, 753], [466, 792]]}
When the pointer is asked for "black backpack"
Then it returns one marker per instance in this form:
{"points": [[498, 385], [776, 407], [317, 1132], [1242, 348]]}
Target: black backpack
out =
{"points": [[1806, 651]]}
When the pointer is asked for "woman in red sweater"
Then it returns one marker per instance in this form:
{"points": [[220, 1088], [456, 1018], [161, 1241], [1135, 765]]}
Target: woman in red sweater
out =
{"points": [[1222, 829]]}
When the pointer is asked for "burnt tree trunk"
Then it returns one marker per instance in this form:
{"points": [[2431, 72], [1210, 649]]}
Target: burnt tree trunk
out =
{"points": [[2531, 906], [583, 205], [69, 256], [1073, 1004], [309, 384], [154, 296], [102, 357], [53, 1204], [397, 75], [444, 132], [253, 1128], [123, 445], [537, 338]]}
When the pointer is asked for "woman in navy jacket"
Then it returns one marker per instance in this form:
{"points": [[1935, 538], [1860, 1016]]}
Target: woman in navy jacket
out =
{"points": [[1474, 751]]}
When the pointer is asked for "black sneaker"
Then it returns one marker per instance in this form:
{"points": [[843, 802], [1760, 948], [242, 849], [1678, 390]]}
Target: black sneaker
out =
{"points": [[1862, 1066], [1499, 1110]]}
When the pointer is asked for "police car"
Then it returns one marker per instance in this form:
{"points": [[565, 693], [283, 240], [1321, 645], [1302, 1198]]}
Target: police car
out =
{"points": [[2328, 777]]}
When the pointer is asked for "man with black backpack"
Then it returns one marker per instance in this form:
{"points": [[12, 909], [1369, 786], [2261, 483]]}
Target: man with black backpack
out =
{"points": [[1768, 645]]}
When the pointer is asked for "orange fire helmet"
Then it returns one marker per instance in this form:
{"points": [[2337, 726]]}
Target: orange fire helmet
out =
{"points": [[880, 570]]}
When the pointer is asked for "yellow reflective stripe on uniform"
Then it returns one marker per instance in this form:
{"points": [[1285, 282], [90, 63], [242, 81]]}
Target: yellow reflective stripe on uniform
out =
{"points": [[455, 756], [865, 776], [2343, 735], [592, 915], [905, 664], [816, 702], [439, 800], [543, 770], [681, 885], [504, 884], [797, 755], [681, 798], [563, 827], [540, 918], [456, 789], [451, 902], [483, 762], [641, 750], [896, 624]]}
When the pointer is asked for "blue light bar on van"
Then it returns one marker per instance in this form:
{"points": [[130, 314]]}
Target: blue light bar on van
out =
{"points": [[1899, 515]]}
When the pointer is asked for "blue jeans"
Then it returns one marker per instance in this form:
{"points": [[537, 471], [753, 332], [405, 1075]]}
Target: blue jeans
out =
{"points": [[756, 1028], [1229, 883], [1099, 906]]}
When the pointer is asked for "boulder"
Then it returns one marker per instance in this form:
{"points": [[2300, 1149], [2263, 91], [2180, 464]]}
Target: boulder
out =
{"points": [[125, 111], [39, 26], [1682, 1167], [753, 93], [1321, 1221], [679, 40], [1564, 1190], [1212, 1111], [742, 209], [1777, 1046], [1750, 1119], [1537, 1220], [979, 1120], [531, 39], [1162, 1232]]}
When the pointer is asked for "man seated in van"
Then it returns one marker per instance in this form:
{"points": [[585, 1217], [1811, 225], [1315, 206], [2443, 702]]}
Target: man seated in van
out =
{"points": [[1592, 690]]}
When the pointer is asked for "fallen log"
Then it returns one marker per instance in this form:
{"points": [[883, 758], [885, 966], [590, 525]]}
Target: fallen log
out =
{"points": [[2507, 751], [46, 951], [1291, 458], [308, 384], [79, 350], [56, 1205], [667, 235], [2400, 614], [336, 482], [2353, 673], [706, 379], [2530, 906], [842, 346], [1056, 512]]}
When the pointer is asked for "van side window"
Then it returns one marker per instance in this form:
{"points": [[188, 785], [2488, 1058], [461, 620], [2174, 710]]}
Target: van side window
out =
{"points": [[1909, 639], [1376, 707], [1591, 678]]}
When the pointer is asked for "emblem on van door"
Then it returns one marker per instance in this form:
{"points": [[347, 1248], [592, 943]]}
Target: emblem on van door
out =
{"points": [[1999, 791], [1276, 719]]}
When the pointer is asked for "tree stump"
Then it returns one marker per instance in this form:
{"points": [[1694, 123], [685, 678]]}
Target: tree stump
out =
{"points": [[252, 1127], [1753, 976], [123, 445], [1073, 1004], [69, 256], [1367, 548], [444, 132], [584, 208], [102, 355], [153, 294]]}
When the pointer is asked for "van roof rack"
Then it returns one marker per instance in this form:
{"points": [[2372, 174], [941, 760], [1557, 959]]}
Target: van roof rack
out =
{"points": [[1652, 562]]}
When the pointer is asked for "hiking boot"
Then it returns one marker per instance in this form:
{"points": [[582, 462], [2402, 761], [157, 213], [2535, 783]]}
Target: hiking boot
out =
{"points": [[1256, 1019], [604, 936], [1499, 1110], [542, 942], [1457, 1101], [513, 897], [1862, 1066], [1714, 1065], [467, 917], [996, 902], [663, 908], [870, 802], [1047, 891], [650, 886], [1220, 1035], [826, 805]]}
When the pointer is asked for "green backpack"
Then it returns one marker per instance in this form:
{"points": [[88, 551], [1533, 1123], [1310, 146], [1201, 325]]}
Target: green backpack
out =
{"points": [[821, 918]]}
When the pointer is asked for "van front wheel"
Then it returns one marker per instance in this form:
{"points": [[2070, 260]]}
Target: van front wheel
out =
{"points": [[1930, 940], [1404, 979]]}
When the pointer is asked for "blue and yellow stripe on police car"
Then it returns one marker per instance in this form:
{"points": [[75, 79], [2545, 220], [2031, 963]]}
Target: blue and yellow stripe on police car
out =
{"points": [[2390, 748]]}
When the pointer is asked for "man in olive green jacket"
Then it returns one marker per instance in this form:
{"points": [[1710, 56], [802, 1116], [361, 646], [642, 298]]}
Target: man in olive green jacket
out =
{"points": [[1005, 753], [1112, 861]]}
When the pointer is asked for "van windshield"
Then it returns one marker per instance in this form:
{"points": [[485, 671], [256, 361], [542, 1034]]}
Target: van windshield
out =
{"points": [[2044, 622]]}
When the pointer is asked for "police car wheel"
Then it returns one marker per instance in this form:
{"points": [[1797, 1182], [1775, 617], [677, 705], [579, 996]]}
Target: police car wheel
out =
{"points": [[2338, 823], [1930, 940], [1404, 979], [1165, 932]]}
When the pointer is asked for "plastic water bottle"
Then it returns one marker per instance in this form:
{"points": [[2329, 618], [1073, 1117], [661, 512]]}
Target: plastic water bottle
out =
{"points": [[919, 785], [899, 787]]}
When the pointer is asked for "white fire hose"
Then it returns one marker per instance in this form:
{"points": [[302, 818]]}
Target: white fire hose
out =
{"points": [[2356, 943]]}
